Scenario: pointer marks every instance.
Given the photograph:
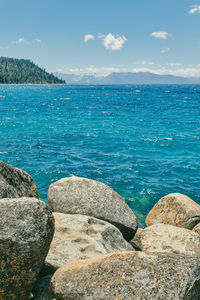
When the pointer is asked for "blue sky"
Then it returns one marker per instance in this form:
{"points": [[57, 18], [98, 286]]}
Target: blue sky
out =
{"points": [[90, 36]]}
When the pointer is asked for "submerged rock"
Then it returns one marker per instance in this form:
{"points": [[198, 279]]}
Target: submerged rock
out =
{"points": [[168, 238], [128, 276], [81, 237], [27, 228], [77, 195], [15, 183], [175, 209]]}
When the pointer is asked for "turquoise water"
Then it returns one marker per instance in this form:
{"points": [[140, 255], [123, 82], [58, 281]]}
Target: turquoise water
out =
{"points": [[143, 141]]}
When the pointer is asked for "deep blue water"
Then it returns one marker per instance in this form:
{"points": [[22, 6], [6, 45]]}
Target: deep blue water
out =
{"points": [[143, 141]]}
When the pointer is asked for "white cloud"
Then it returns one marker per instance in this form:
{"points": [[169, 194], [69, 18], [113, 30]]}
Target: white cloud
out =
{"points": [[194, 9], [20, 41], [102, 70], [93, 70], [161, 34], [4, 47], [88, 37], [165, 50], [174, 65], [37, 41], [112, 42], [144, 62], [184, 72]]}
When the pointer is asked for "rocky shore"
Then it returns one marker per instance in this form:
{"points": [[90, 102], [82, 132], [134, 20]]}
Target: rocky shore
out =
{"points": [[85, 243]]}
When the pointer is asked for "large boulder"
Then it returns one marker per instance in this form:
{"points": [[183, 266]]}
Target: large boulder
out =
{"points": [[27, 227], [168, 238], [81, 237], [77, 195], [15, 183], [175, 209], [128, 276]]}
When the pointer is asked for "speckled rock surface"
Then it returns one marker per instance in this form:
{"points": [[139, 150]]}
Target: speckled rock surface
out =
{"points": [[15, 183], [81, 237], [168, 238], [197, 228], [129, 276], [77, 195], [27, 227], [175, 209]]}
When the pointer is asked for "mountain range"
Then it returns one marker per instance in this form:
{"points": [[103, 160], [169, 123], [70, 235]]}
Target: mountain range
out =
{"points": [[127, 78]]}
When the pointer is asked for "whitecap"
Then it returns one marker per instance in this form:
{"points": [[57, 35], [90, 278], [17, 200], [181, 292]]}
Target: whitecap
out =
{"points": [[168, 138]]}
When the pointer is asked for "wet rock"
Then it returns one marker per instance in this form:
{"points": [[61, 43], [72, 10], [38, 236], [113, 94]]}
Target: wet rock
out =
{"points": [[27, 228], [81, 237], [15, 183], [77, 195], [168, 238], [128, 276], [175, 209]]}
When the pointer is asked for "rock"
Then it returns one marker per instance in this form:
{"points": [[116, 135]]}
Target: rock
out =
{"points": [[136, 238], [15, 183], [27, 227], [168, 238], [128, 276], [42, 290], [197, 228], [81, 237], [175, 209], [77, 195]]}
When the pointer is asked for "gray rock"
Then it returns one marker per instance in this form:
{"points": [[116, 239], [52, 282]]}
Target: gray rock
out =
{"points": [[175, 209], [27, 227], [15, 183], [168, 238], [77, 195], [128, 276], [81, 237]]}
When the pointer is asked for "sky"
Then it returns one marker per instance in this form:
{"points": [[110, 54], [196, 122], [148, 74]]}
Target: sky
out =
{"points": [[104, 36]]}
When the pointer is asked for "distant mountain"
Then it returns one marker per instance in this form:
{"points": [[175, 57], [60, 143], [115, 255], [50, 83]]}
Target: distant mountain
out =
{"points": [[24, 71], [127, 78]]}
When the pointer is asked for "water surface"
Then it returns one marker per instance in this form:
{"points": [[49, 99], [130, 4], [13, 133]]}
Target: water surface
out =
{"points": [[143, 141]]}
